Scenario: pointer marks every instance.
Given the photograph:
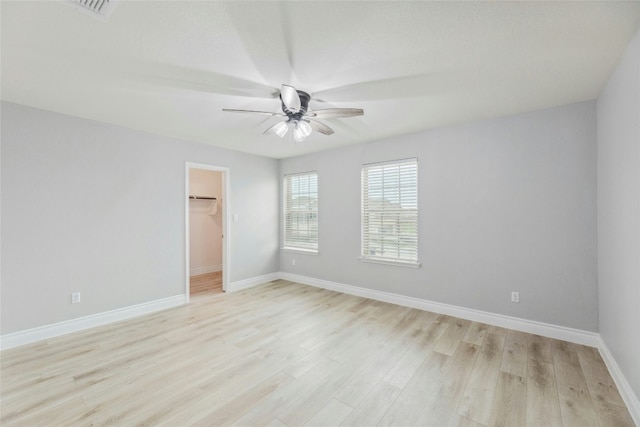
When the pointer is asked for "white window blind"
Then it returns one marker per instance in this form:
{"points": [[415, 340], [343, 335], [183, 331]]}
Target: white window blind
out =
{"points": [[301, 211], [390, 212]]}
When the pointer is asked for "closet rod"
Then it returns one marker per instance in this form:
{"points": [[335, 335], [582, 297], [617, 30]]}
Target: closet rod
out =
{"points": [[202, 198]]}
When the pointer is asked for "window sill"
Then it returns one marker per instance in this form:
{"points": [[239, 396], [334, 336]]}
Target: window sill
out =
{"points": [[393, 263], [300, 251]]}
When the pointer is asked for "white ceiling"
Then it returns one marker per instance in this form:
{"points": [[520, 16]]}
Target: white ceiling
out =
{"points": [[169, 67]]}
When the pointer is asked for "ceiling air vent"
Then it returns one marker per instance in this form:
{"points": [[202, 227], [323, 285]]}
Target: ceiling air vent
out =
{"points": [[100, 9]]}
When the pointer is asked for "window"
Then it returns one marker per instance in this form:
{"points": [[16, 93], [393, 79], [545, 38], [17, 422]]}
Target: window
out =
{"points": [[390, 212], [301, 211]]}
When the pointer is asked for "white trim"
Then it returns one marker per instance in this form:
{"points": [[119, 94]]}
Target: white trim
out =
{"points": [[253, 281], [390, 162], [204, 270], [74, 325], [411, 264], [226, 235], [629, 397], [301, 251], [533, 327]]}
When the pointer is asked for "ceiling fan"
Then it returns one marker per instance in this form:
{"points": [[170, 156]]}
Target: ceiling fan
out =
{"points": [[301, 120]]}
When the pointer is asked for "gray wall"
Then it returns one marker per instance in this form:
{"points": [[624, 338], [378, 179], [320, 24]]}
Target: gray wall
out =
{"points": [[506, 204], [99, 209], [619, 214]]}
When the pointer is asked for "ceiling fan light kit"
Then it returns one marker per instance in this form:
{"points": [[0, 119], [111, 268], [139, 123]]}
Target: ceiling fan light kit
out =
{"points": [[295, 107], [301, 130], [281, 129]]}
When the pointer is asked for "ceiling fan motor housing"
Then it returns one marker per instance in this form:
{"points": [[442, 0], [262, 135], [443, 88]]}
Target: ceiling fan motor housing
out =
{"points": [[304, 105]]}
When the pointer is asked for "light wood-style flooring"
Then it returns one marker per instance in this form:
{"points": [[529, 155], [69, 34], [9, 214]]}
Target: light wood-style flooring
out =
{"points": [[206, 283], [285, 354]]}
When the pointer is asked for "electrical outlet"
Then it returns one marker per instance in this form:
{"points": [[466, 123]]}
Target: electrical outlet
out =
{"points": [[293, 261], [515, 296], [75, 297]]}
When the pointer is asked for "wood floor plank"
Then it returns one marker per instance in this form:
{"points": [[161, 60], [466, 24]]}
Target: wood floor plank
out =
{"points": [[543, 405], [514, 358], [608, 403], [439, 409], [65, 413], [478, 398], [451, 339], [601, 385], [461, 421], [367, 377], [153, 406], [236, 380], [423, 320], [476, 333], [301, 408], [19, 410], [539, 348], [567, 364], [427, 380], [432, 333], [407, 364], [373, 406], [356, 340], [332, 414], [179, 371], [209, 282], [274, 423], [291, 396], [232, 410], [305, 363], [408, 318], [497, 330], [576, 406], [509, 406], [611, 415]]}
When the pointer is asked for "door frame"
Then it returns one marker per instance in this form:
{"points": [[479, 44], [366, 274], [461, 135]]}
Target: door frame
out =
{"points": [[224, 207]]}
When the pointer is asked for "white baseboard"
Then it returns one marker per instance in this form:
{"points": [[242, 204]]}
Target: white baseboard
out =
{"points": [[252, 281], [630, 399], [539, 328], [205, 270], [40, 333], [62, 328]]}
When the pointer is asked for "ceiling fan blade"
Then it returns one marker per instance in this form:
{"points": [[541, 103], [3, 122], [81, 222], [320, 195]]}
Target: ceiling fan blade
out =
{"points": [[416, 86], [154, 74], [334, 113], [269, 130], [319, 127], [282, 17], [231, 110], [290, 98]]}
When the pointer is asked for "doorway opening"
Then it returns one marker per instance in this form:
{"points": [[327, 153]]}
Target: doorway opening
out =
{"points": [[206, 234]]}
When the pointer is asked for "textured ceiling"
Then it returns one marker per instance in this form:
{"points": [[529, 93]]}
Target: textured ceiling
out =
{"points": [[169, 67]]}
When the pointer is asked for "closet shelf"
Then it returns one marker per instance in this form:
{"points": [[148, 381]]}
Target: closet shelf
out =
{"points": [[202, 198]]}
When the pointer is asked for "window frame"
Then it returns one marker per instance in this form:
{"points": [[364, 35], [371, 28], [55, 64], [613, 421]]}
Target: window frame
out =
{"points": [[288, 245], [401, 191]]}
